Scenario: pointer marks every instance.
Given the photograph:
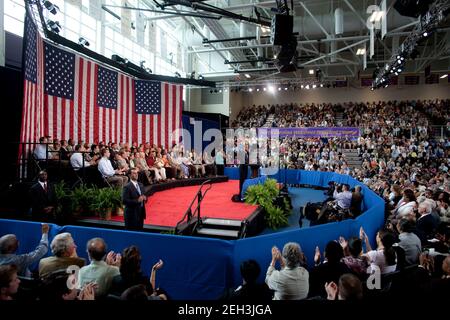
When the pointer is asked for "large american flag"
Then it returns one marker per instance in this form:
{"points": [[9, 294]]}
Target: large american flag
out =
{"points": [[68, 96]]}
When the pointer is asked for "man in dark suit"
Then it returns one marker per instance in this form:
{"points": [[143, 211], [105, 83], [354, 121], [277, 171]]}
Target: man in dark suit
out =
{"points": [[134, 200], [426, 224], [243, 168], [42, 196]]}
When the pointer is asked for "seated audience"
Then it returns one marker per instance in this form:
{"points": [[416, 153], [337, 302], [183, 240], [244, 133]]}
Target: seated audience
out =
{"points": [[328, 270], [64, 252], [9, 282], [353, 256], [131, 274], [115, 177], [9, 245], [55, 288], [384, 257], [409, 242], [349, 288], [291, 282], [250, 290], [99, 271]]}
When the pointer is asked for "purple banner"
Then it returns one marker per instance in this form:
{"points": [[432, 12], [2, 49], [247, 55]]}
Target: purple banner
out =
{"points": [[312, 132]]}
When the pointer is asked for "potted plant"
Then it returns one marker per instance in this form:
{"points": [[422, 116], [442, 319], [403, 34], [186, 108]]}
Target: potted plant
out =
{"points": [[266, 195], [103, 203], [116, 194], [62, 201]]}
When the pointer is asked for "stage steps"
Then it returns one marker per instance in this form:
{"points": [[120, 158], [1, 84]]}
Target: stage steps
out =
{"points": [[219, 228]]}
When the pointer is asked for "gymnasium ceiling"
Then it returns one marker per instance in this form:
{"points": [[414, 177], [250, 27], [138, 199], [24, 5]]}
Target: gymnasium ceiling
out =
{"points": [[314, 21]]}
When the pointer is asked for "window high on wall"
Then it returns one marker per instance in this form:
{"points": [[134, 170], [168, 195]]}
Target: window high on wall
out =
{"points": [[136, 39]]}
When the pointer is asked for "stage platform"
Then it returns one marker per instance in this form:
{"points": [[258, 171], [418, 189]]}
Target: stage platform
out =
{"points": [[168, 202]]}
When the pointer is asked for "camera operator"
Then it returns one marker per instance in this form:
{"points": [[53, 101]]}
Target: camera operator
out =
{"points": [[343, 196]]}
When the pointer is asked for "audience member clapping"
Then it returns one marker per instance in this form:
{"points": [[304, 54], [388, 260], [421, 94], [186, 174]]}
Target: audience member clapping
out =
{"points": [[292, 281]]}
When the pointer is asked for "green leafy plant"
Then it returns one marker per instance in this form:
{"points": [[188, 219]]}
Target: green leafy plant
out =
{"points": [[62, 198], [265, 196], [103, 203], [82, 198]]}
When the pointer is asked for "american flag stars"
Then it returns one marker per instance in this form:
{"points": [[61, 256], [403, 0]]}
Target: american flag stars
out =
{"points": [[148, 97], [59, 72], [107, 88]]}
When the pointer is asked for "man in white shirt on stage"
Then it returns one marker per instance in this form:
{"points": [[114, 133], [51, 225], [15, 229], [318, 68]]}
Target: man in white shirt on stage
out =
{"points": [[115, 177]]}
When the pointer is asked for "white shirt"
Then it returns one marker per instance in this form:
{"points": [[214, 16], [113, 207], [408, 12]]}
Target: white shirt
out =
{"points": [[378, 259], [40, 152], [136, 185], [344, 199], [105, 167], [43, 184], [289, 284], [77, 160]]}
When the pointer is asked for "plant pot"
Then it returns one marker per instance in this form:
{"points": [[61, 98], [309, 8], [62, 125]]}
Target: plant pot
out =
{"points": [[106, 215], [119, 211]]}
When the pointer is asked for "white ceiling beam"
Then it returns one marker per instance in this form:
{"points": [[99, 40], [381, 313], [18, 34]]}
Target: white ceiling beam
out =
{"points": [[334, 52], [314, 19]]}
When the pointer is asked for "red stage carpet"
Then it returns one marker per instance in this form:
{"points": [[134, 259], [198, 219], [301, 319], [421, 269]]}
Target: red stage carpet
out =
{"points": [[166, 208]]}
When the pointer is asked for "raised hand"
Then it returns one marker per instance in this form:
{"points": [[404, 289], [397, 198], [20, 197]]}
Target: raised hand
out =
{"points": [[88, 292], [317, 255], [332, 290], [158, 265], [343, 242], [362, 233], [45, 228]]}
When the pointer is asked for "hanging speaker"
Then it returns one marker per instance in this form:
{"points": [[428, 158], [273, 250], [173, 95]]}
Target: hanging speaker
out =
{"points": [[281, 29]]}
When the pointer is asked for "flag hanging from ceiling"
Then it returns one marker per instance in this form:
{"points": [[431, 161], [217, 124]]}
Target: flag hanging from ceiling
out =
{"points": [[67, 96]]}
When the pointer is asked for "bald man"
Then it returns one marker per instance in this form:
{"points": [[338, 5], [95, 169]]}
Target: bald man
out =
{"points": [[102, 269]]}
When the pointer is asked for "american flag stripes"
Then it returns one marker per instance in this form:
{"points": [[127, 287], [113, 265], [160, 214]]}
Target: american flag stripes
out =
{"points": [[68, 96]]}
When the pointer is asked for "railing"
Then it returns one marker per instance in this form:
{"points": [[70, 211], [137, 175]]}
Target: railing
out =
{"points": [[190, 215], [28, 166]]}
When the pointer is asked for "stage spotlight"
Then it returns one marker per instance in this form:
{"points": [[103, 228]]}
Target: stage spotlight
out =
{"points": [[264, 89], [220, 90], [314, 86], [307, 87], [257, 89], [178, 75], [444, 76], [425, 34], [250, 89], [225, 90], [311, 71], [200, 77], [271, 89], [321, 85], [302, 86], [83, 42], [51, 7], [396, 73], [118, 59], [279, 88], [285, 88], [399, 70], [54, 26]]}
